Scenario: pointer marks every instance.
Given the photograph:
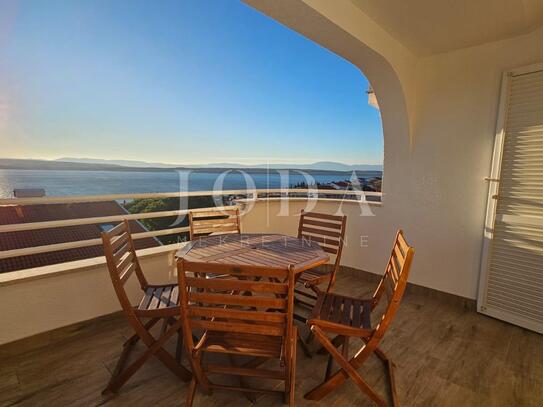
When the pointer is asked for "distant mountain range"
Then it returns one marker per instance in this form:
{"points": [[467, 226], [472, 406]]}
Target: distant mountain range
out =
{"points": [[321, 165], [90, 164], [122, 163]]}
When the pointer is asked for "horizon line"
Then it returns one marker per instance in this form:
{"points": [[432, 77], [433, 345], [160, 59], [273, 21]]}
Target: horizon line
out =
{"points": [[105, 161]]}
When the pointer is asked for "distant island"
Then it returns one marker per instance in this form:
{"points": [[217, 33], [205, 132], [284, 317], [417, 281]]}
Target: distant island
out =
{"points": [[90, 164]]}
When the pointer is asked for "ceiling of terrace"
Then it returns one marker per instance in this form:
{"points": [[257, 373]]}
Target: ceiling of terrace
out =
{"points": [[428, 27]]}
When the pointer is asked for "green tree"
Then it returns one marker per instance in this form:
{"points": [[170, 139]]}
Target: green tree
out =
{"points": [[169, 204]]}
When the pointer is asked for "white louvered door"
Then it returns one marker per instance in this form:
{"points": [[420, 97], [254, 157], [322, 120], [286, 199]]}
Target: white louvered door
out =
{"points": [[511, 285]]}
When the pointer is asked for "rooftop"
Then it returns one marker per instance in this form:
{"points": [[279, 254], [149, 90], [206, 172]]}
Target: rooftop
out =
{"points": [[20, 214]]}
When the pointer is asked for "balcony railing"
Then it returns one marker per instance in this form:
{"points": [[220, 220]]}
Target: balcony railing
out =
{"points": [[250, 195]]}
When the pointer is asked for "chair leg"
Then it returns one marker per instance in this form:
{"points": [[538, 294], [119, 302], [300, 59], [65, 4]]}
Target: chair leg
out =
{"points": [[154, 349], [309, 338], [304, 346], [381, 355], [180, 339], [292, 373], [122, 377], [148, 325], [191, 391], [345, 348], [390, 367], [347, 368], [119, 367], [128, 346], [344, 352], [179, 347], [165, 325], [392, 383], [198, 373], [329, 365]]}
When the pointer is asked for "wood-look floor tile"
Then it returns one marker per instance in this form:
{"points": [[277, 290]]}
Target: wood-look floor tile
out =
{"points": [[525, 353], [442, 393], [9, 388], [445, 356]]}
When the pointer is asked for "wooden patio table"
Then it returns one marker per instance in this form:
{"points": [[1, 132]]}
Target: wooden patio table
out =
{"points": [[258, 249], [254, 249]]}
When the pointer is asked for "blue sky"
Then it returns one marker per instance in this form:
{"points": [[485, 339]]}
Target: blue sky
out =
{"points": [[175, 81]]}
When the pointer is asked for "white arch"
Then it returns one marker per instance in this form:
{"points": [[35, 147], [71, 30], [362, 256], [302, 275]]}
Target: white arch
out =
{"points": [[301, 16]]}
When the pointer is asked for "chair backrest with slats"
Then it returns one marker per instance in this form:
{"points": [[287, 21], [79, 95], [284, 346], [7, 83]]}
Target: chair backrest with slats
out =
{"points": [[222, 221], [245, 299], [394, 280], [327, 230], [122, 260]]}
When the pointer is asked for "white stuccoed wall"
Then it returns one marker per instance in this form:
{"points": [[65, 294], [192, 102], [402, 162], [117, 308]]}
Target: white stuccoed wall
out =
{"points": [[439, 125], [71, 292], [442, 198], [457, 106]]}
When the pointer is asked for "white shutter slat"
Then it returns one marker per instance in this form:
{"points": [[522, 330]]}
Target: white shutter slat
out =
{"points": [[525, 142], [525, 294], [516, 307], [510, 268], [525, 129], [509, 272]]}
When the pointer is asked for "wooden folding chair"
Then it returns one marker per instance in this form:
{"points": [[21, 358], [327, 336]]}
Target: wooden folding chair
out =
{"points": [[329, 232], [204, 223], [159, 302], [248, 314], [351, 317]]}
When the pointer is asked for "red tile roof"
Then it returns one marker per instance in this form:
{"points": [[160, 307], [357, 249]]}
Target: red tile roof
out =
{"points": [[41, 213]]}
